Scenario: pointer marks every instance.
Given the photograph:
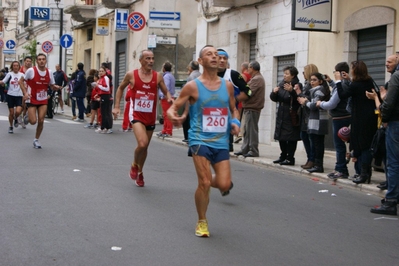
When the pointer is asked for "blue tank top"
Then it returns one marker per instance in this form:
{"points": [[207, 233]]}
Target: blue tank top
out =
{"points": [[210, 117]]}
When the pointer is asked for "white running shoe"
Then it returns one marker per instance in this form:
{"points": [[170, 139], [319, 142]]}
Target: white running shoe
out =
{"points": [[36, 144]]}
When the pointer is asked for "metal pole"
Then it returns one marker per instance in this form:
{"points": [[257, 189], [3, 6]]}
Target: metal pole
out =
{"points": [[176, 49], [61, 29]]}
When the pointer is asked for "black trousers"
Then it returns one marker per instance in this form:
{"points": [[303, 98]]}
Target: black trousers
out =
{"points": [[106, 111], [288, 149]]}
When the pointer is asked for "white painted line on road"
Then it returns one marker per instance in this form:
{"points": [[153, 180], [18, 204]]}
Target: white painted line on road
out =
{"points": [[68, 121]]}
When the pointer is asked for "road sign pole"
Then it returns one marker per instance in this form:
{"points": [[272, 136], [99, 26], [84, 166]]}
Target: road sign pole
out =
{"points": [[61, 29]]}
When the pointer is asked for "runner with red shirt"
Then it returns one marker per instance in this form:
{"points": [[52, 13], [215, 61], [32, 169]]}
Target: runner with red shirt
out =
{"points": [[144, 83], [35, 93]]}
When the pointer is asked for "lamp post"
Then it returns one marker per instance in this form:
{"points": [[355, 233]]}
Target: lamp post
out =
{"points": [[57, 2]]}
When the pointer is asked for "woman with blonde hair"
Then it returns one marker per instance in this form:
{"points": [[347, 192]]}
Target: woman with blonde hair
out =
{"points": [[304, 112]]}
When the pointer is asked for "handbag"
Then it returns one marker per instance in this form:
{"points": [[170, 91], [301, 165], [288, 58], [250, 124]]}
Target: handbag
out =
{"points": [[294, 115], [377, 148]]}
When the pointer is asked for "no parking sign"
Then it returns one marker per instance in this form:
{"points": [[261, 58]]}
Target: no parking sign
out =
{"points": [[47, 47], [136, 21]]}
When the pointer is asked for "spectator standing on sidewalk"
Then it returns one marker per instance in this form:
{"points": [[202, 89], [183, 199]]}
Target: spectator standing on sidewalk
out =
{"points": [[318, 118], [241, 89], [304, 115], [211, 98], [170, 81], [79, 92], [251, 112], [104, 84], [286, 132], [340, 118], [61, 80], [390, 117], [193, 71], [363, 118]]}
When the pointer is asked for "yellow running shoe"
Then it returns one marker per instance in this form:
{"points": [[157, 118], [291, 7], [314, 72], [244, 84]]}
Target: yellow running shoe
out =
{"points": [[202, 229]]}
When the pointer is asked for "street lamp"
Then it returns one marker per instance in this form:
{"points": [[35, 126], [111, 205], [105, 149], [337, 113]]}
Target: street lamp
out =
{"points": [[57, 2], [6, 23]]}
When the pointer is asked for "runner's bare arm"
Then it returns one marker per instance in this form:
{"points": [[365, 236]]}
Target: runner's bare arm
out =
{"points": [[119, 92], [187, 93], [164, 89], [22, 86]]}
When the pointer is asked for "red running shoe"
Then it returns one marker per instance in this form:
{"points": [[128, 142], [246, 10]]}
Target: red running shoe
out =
{"points": [[134, 171], [140, 180]]}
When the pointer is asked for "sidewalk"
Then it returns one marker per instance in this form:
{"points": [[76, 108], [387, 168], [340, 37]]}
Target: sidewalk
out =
{"points": [[269, 153]]}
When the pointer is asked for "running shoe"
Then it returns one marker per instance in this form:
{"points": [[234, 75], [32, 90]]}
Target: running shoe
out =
{"points": [[79, 120], [108, 131], [337, 175], [159, 134], [62, 111], [89, 126], [134, 171], [225, 193], [36, 144], [20, 122], [10, 130], [202, 229], [99, 130], [140, 180], [26, 119], [16, 123]]}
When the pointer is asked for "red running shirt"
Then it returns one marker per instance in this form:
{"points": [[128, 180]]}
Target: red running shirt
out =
{"points": [[143, 99], [38, 87]]}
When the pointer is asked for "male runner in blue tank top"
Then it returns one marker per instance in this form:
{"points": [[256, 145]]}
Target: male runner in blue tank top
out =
{"points": [[213, 116]]}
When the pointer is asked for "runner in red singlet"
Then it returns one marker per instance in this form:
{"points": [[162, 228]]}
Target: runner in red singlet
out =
{"points": [[144, 83], [35, 92]]}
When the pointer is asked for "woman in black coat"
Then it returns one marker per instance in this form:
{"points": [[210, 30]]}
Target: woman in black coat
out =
{"points": [[286, 132], [363, 120]]}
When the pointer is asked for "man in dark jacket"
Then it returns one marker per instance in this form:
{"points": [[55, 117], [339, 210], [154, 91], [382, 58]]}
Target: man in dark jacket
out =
{"points": [[60, 79], [390, 117], [79, 91]]}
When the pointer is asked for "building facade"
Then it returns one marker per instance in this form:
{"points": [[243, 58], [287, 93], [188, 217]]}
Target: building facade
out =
{"points": [[261, 30], [18, 28], [174, 43]]}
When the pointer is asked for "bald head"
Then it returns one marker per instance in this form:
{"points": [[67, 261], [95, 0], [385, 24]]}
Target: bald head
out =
{"points": [[391, 63]]}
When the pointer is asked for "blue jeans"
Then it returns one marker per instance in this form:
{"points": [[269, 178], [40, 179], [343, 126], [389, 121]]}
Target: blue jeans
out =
{"points": [[73, 106], [392, 145], [309, 147], [81, 107], [340, 147]]}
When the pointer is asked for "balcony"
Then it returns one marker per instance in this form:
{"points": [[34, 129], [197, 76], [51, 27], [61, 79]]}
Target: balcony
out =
{"points": [[81, 12], [235, 3], [112, 4]]}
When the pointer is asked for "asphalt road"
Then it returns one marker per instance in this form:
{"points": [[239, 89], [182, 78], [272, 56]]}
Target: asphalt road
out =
{"points": [[72, 203]]}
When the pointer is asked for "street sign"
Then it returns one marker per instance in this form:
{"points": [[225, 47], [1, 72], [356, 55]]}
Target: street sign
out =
{"points": [[47, 47], [170, 20], [8, 51], [121, 19], [102, 26], [166, 40], [152, 41], [136, 21], [66, 41], [10, 44], [39, 13], [1, 43]]}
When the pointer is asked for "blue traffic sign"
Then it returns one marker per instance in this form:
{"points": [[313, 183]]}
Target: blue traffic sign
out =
{"points": [[10, 44], [165, 15], [39, 13], [121, 19], [66, 40]]}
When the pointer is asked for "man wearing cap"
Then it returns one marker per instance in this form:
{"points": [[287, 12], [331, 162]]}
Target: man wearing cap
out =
{"points": [[241, 90]]}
